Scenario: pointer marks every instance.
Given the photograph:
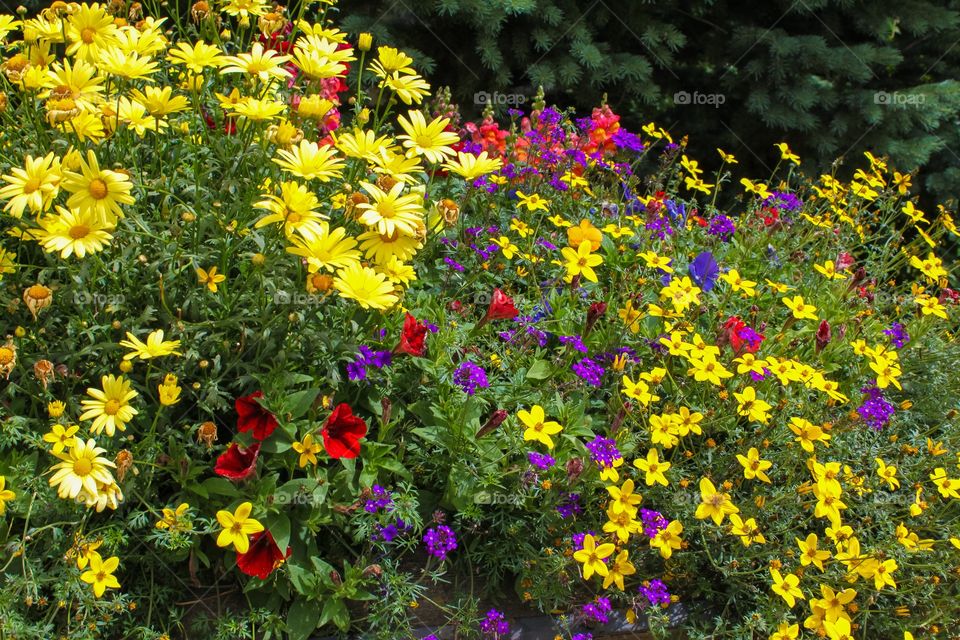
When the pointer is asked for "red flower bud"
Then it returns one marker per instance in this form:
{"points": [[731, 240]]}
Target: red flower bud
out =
{"points": [[494, 421], [823, 335]]}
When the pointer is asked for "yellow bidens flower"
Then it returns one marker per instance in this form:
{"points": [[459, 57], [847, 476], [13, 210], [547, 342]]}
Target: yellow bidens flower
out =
{"points": [[210, 278], [5, 495], [800, 310], [308, 450], [237, 528], [537, 427], [753, 466], [61, 437], [580, 262], [110, 408], [714, 505], [786, 587], [154, 347], [100, 575], [592, 557], [653, 468], [175, 520]]}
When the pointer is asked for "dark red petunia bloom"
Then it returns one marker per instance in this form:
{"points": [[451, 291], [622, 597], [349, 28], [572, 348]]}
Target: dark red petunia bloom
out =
{"points": [[238, 463], [501, 307], [412, 337], [342, 432], [253, 417], [262, 557]]}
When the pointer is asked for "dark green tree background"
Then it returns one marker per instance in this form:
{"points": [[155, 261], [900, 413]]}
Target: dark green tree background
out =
{"points": [[832, 77]]}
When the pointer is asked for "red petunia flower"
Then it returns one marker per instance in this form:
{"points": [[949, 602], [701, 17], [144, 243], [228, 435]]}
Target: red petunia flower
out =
{"points": [[501, 307], [412, 337], [253, 417], [342, 432], [263, 556], [237, 463]]}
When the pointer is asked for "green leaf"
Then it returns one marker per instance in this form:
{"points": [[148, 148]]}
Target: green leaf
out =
{"points": [[539, 370], [302, 619], [220, 487], [278, 524], [300, 402], [335, 611]]}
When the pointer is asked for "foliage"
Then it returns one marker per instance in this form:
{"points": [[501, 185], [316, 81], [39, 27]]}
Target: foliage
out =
{"points": [[292, 347], [835, 77]]}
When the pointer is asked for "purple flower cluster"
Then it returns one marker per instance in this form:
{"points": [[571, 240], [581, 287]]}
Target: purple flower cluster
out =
{"points": [[453, 264], [494, 625], [722, 227], [582, 636], [542, 461], [440, 541], [598, 611], [655, 592], [629, 141], [389, 532], [875, 410], [653, 522], [603, 451], [357, 370], [659, 227], [574, 341], [470, 377], [589, 371], [570, 506], [577, 539], [783, 200], [898, 335], [380, 499]]}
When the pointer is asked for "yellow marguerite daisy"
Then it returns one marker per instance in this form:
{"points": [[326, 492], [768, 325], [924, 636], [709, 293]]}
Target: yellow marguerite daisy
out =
{"points": [[110, 408]]}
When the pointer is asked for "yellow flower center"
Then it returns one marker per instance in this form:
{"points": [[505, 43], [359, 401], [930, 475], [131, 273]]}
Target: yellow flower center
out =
{"points": [[98, 189], [293, 217], [386, 210], [111, 407], [82, 467], [31, 185], [236, 527], [424, 141], [6, 355], [88, 34], [79, 231], [38, 292]]}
